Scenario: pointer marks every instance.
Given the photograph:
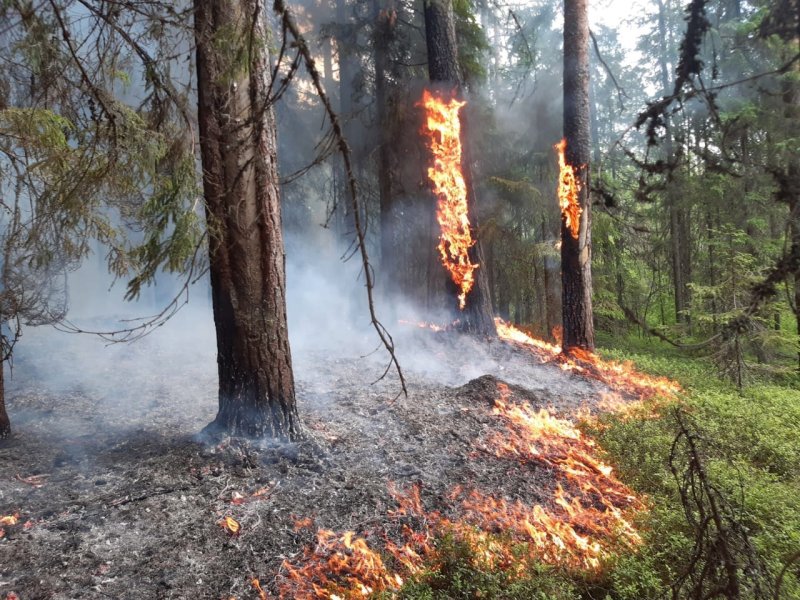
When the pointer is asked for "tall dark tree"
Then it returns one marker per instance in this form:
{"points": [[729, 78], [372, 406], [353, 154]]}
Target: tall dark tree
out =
{"points": [[240, 182], [443, 71], [576, 252]]}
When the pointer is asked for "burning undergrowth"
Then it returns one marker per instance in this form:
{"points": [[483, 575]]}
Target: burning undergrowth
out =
{"points": [[585, 518], [128, 504]]}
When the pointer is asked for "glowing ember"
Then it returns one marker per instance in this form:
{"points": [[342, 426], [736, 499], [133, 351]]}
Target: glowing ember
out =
{"points": [[257, 587], [569, 188], [9, 519], [231, 524], [443, 130]]}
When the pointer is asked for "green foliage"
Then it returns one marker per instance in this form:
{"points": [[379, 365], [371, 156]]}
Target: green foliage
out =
{"points": [[751, 443], [457, 573]]}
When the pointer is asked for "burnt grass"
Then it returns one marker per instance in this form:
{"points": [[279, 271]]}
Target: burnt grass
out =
{"points": [[120, 499]]}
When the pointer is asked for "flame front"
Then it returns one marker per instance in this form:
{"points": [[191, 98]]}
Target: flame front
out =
{"points": [[569, 188], [443, 131]]}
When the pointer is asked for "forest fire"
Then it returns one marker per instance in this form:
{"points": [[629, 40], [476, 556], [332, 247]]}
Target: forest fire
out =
{"points": [[443, 131], [568, 191], [338, 566], [230, 524], [621, 377], [584, 522]]}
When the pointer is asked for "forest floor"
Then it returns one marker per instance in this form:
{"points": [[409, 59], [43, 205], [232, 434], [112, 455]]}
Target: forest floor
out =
{"points": [[117, 497]]}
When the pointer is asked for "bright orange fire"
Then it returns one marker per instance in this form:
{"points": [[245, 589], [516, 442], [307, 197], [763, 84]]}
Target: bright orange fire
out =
{"points": [[338, 566], [569, 188], [230, 524], [9, 519], [262, 595], [587, 520], [621, 377], [443, 131]]}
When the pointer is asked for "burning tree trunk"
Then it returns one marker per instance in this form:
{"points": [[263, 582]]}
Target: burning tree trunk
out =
{"points": [[576, 239], [474, 299], [240, 181]]}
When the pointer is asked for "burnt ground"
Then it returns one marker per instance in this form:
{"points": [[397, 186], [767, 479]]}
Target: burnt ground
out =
{"points": [[119, 499]]}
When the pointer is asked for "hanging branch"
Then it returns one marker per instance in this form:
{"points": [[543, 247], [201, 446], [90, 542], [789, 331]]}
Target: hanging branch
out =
{"points": [[723, 562], [290, 25]]}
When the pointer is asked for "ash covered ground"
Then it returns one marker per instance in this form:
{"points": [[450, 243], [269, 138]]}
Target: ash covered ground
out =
{"points": [[119, 499]]}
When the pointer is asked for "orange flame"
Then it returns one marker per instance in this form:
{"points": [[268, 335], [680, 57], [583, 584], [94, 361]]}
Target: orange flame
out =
{"points": [[621, 377], [262, 595], [230, 524], [443, 130], [569, 188]]}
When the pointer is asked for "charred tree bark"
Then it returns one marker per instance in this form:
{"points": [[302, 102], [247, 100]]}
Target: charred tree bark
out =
{"points": [[385, 18], [440, 36], [240, 183], [5, 422], [576, 253]]}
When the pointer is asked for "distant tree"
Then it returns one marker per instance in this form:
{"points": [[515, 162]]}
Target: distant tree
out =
{"points": [[444, 72], [576, 250]]}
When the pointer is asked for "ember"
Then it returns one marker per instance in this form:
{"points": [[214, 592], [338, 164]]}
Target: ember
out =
{"points": [[231, 525], [568, 191], [443, 131]]}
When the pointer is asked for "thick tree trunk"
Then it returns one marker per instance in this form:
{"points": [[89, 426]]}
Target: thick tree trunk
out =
{"points": [[576, 253], [5, 423], [240, 182], [440, 36]]}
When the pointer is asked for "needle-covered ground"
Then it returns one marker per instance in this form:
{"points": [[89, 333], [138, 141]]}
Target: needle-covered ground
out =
{"points": [[117, 498]]}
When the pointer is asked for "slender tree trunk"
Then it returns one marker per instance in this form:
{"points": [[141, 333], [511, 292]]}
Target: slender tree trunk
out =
{"points": [[5, 423], [440, 36], [240, 182], [679, 251], [384, 27], [576, 253]]}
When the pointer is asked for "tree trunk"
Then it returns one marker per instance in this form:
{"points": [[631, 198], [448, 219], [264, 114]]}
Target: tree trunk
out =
{"points": [[5, 423], [384, 26], [440, 36], [240, 183], [678, 222], [576, 253]]}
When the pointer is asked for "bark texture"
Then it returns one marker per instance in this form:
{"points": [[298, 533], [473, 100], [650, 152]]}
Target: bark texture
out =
{"points": [[440, 36], [576, 254], [5, 423], [240, 182]]}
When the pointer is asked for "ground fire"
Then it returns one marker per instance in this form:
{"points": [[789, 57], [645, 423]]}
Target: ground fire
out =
{"points": [[568, 191], [587, 519], [443, 132]]}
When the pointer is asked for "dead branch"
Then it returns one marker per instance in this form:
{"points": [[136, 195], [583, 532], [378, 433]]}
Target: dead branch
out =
{"points": [[620, 91], [291, 26], [723, 562]]}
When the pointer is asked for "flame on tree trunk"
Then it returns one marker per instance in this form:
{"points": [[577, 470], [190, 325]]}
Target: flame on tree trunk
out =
{"points": [[240, 182], [476, 311], [576, 245]]}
